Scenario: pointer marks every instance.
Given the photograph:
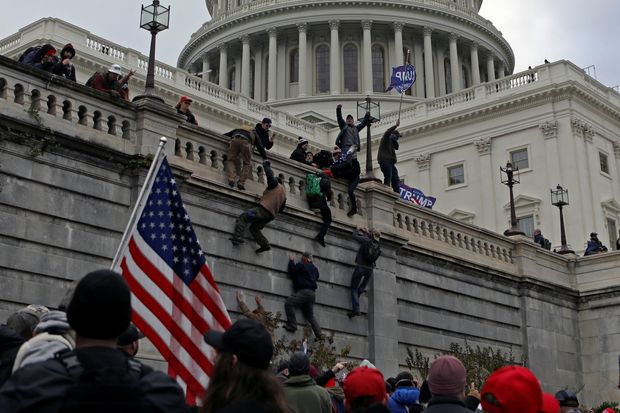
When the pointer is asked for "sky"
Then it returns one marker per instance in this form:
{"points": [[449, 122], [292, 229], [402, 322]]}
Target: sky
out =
{"points": [[583, 32]]}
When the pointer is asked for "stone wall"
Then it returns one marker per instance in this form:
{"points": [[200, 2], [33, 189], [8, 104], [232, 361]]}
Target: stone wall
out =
{"points": [[71, 168]]}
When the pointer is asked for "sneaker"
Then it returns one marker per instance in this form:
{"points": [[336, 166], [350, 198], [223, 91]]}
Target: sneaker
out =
{"points": [[352, 314], [290, 328], [321, 241], [263, 249], [240, 186], [231, 184], [352, 212], [236, 241]]}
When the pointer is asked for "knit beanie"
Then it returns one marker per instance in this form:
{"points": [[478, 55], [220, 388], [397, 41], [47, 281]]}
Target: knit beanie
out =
{"points": [[301, 141], [101, 306], [298, 364], [447, 376]]}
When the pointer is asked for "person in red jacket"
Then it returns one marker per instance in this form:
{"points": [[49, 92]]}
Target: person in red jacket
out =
{"points": [[111, 82]]}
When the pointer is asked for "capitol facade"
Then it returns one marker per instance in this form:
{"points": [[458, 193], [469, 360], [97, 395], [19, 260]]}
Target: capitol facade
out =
{"points": [[466, 115]]}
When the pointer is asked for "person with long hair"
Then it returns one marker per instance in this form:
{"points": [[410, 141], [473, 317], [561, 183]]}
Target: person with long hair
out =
{"points": [[241, 380]]}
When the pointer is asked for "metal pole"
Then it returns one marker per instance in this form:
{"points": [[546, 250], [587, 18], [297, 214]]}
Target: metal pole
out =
{"points": [[132, 217], [150, 75], [564, 248]]}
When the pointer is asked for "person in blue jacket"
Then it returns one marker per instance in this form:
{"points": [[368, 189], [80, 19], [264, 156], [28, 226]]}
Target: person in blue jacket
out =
{"points": [[405, 395]]}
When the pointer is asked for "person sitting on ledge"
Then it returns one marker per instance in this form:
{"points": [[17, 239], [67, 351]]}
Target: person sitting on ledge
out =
{"points": [[111, 82], [595, 246]]}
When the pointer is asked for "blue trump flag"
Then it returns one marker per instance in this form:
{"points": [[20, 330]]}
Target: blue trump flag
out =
{"points": [[402, 78]]}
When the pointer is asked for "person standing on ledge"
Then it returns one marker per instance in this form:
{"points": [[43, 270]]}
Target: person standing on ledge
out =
{"points": [[387, 157], [240, 152], [348, 140], [183, 109], [272, 202]]}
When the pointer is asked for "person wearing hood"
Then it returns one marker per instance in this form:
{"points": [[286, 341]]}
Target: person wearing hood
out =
{"points": [[64, 67], [406, 394], [52, 335], [387, 157], [302, 393], [299, 154], [43, 59]]}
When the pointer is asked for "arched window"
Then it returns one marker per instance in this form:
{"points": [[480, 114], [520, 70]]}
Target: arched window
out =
{"points": [[232, 74], [294, 66], [349, 54], [378, 69], [322, 69]]}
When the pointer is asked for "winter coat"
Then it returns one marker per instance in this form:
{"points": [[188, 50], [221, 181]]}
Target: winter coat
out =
{"points": [[402, 398], [336, 393], [304, 275], [263, 136], [299, 154], [442, 404], [388, 146], [349, 135], [10, 342], [360, 258], [274, 196], [189, 116], [315, 202], [305, 396]]}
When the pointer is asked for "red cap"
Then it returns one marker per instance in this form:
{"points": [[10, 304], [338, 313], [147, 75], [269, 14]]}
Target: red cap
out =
{"points": [[609, 410], [364, 381], [51, 52], [511, 389], [186, 99], [550, 404], [328, 172]]}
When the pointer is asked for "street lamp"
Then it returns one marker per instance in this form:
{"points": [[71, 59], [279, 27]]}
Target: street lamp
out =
{"points": [[154, 18], [559, 198], [374, 108], [508, 178]]}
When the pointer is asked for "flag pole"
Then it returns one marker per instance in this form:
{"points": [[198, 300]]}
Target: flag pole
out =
{"points": [[132, 217], [403, 92]]}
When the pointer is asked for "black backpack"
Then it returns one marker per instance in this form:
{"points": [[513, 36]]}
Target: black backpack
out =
{"points": [[102, 389], [371, 251], [28, 56]]}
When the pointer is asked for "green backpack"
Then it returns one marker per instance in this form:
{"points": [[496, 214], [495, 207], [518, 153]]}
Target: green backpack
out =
{"points": [[313, 185]]}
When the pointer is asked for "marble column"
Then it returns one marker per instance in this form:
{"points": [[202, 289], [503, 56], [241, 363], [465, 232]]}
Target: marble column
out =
{"points": [[441, 71], [500, 70], [334, 58], [223, 65], [475, 65], [485, 179], [272, 75], [245, 65], [258, 72], [303, 57], [398, 43], [455, 67], [367, 53], [428, 63], [206, 68], [491, 67], [419, 66]]}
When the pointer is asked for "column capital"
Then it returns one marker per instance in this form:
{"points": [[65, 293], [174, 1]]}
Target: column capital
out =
{"points": [[617, 150], [483, 145], [302, 27], [549, 129], [474, 45], [453, 37], [334, 24], [582, 129], [398, 26], [366, 24], [272, 31], [222, 47], [245, 38], [423, 160], [427, 31], [490, 56]]}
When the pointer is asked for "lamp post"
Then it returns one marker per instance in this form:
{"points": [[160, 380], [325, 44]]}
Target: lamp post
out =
{"points": [[508, 178], [374, 108], [559, 198], [154, 18]]}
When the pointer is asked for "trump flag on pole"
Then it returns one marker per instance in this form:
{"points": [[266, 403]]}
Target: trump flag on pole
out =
{"points": [[174, 297], [402, 79]]}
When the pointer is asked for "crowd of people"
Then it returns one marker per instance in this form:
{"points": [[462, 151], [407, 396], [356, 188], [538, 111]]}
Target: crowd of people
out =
{"points": [[81, 358]]}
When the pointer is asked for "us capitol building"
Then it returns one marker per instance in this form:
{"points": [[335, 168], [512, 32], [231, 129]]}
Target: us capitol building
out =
{"points": [[466, 115]]}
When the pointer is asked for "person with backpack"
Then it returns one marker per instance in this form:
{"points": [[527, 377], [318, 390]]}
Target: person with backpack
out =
{"points": [[348, 141], [96, 376], [319, 194], [367, 254], [40, 57], [540, 240], [305, 276]]}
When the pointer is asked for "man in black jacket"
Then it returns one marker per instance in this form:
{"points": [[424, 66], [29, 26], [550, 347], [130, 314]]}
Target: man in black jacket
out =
{"points": [[96, 376], [263, 132], [367, 255], [387, 157], [305, 276]]}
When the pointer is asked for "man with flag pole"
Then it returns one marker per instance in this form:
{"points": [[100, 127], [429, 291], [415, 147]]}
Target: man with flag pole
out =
{"points": [[175, 299]]}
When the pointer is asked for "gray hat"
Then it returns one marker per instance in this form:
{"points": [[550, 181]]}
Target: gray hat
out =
{"points": [[298, 364]]}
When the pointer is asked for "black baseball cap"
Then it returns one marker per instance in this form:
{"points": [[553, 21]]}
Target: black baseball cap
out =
{"points": [[129, 336], [266, 120], [567, 398], [248, 339]]}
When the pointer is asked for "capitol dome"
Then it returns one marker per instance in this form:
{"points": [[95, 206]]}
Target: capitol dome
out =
{"points": [[304, 56]]}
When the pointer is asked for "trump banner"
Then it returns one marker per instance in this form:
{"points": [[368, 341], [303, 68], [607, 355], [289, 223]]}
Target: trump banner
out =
{"points": [[403, 78], [416, 197]]}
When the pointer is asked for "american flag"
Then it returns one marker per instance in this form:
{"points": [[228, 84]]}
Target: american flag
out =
{"points": [[174, 297]]}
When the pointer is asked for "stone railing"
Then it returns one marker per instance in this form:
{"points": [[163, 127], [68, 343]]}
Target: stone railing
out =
{"points": [[10, 42]]}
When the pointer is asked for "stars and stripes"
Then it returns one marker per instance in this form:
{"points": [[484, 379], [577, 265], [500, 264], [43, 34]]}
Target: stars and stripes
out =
{"points": [[175, 298]]}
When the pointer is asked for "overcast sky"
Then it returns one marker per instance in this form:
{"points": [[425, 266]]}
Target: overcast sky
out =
{"points": [[582, 32]]}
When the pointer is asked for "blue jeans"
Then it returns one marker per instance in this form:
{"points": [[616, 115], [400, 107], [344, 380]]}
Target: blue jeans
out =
{"points": [[390, 175], [359, 282]]}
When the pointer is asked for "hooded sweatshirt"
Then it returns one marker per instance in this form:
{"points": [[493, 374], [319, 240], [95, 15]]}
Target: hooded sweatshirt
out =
{"points": [[305, 396], [9, 345]]}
